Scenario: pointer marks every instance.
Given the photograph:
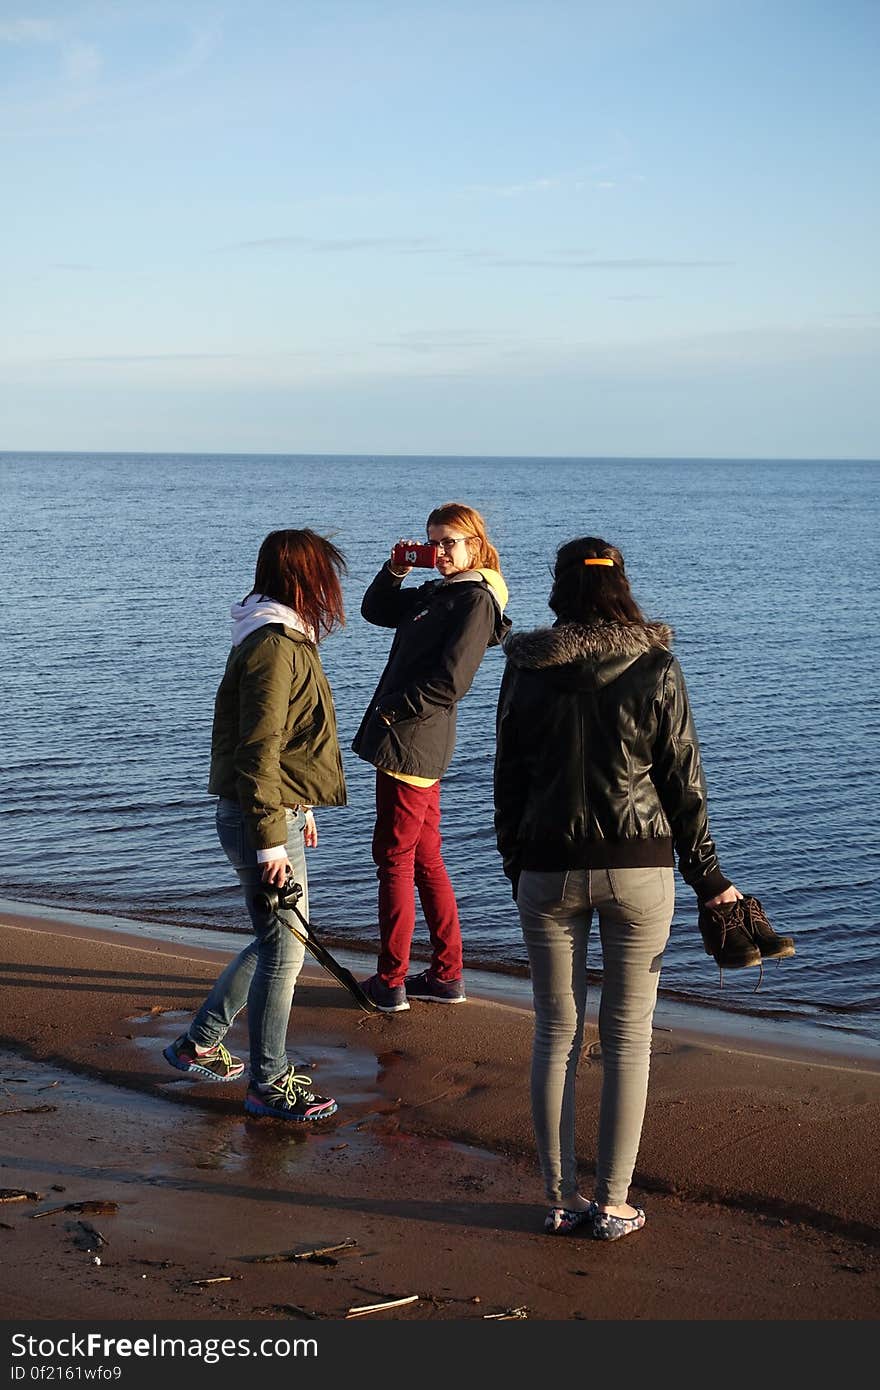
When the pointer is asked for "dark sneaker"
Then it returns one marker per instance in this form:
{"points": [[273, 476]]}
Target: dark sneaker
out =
{"points": [[391, 999], [726, 936], [771, 946], [215, 1065], [289, 1098], [607, 1227], [426, 986]]}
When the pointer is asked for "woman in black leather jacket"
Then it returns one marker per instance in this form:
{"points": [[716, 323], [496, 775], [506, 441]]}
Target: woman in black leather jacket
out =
{"points": [[597, 780]]}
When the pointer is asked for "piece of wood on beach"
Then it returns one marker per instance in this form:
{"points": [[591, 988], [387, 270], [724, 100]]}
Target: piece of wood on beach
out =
{"points": [[380, 1307], [507, 1315], [319, 1255], [215, 1279], [31, 1110], [19, 1194], [324, 1254], [94, 1208]]}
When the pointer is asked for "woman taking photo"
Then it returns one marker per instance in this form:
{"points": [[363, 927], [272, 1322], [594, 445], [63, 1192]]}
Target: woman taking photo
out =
{"points": [[442, 629], [597, 779], [274, 755]]}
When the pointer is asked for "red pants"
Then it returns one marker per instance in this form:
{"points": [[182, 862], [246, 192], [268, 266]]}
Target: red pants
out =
{"points": [[406, 851]]}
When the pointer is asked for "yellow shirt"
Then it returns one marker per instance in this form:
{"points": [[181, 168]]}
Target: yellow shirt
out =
{"points": [[409, 779]]}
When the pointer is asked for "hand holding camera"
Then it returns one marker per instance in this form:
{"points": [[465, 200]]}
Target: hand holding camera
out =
{"points": [[407, 555], [273, 897]]}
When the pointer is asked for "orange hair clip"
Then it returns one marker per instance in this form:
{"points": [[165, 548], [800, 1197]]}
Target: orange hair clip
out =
{"points": [[598, 562]]}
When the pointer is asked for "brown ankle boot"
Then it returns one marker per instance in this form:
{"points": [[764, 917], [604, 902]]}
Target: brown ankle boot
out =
{"points": [[771, 946], [726, 938]]}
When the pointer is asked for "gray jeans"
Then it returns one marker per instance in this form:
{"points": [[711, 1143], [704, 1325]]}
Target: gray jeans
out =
{"points": [[556, 911]]}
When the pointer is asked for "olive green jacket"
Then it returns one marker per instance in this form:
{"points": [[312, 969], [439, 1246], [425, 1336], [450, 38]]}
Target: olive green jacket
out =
{"points": [[274, 743]]}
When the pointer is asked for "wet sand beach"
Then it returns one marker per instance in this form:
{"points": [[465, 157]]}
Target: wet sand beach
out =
{"points": [[757, 1168]]}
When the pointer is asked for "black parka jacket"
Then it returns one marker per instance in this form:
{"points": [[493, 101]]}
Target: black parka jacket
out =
{"points": [[442, 631], [597, 762]]}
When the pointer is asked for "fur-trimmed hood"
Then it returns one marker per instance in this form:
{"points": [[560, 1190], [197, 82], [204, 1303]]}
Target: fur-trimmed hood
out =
{"points": [[569, 642]]}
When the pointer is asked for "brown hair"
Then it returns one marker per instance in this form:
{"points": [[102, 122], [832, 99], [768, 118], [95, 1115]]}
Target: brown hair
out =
{"points": [[480, 549], [302, 570], [590, 593]]}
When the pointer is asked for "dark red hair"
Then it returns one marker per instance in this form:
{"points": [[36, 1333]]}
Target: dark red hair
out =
{"points": [[302, 570]]}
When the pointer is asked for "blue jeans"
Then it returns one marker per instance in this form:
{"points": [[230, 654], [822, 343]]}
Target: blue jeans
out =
{"points": [[264, 976], [556, 910]]}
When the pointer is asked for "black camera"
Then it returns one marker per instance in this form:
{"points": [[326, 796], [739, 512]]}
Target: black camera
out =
{"points": [[271, 898]]}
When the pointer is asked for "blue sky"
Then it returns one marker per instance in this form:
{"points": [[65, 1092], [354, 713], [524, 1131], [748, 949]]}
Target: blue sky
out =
{"points": [[387, 226]]}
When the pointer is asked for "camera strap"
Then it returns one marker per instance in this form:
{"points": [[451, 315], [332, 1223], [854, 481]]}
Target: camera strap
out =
{"points": [[330, 963]]}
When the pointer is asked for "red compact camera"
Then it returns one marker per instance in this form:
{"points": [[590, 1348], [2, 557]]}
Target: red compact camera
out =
{"points": [[422, 555]]}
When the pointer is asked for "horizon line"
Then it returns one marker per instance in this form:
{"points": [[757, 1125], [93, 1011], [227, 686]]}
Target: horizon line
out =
{"points": [[470, 458]]}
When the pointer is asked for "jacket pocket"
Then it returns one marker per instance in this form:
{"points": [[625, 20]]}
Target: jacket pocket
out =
{"points": [[301, 734]]}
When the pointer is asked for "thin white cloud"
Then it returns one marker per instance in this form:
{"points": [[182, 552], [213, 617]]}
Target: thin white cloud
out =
{"points": [[663, 356], [322, 245], [439, 340], [123, 358], [85, 79], [30, 31], [201, 44], [577, 182], [515, 190], [568, 261], [81, 62], [572, 259]]}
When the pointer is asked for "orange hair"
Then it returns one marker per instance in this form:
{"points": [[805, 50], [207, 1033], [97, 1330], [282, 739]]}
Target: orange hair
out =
{"points": [[480, 548]]}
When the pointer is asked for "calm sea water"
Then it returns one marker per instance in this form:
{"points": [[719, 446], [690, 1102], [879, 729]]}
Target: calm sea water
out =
{"points": [[118, 572]]}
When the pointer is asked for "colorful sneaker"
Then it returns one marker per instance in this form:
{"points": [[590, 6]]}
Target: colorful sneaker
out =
{"points": [[426, 986], [289, 1098], [560, 1221], [210, 1064], [391, 999], [607, 1227]]}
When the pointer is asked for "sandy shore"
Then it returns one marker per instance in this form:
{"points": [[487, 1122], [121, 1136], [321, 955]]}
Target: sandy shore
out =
{"points": [[757, 1170]]}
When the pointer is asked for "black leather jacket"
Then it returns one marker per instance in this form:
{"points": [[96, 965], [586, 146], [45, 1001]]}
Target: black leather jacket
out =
{"points": [[597, 762]]}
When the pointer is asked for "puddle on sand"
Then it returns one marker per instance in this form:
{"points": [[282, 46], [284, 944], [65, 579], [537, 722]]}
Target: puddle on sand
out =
{"points": [[159, 1013], [344, 1070], [26, 1083], [168, 1144]]}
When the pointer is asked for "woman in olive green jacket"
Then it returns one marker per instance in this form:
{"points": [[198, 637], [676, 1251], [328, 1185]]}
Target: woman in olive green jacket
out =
{"points": [[274, 755]]}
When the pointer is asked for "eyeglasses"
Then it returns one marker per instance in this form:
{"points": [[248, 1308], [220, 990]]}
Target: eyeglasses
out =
{"points": [[448, 543]]}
